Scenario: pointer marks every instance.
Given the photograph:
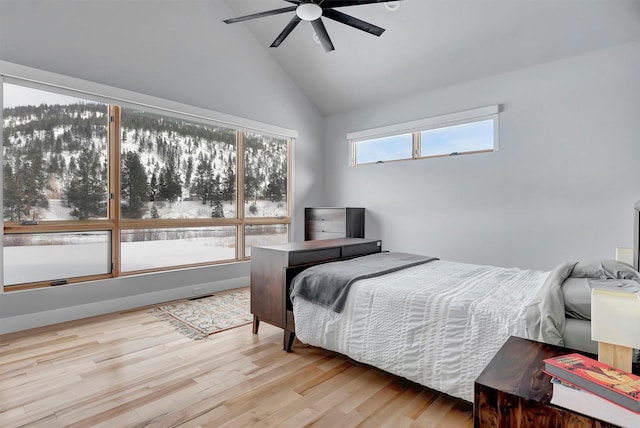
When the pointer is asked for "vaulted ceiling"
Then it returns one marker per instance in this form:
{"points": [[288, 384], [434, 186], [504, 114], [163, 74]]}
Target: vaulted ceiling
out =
{"points": [[429, 44]]}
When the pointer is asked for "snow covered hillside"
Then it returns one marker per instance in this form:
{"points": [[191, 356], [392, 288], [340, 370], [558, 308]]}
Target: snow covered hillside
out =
{"points": [[56, 166]]}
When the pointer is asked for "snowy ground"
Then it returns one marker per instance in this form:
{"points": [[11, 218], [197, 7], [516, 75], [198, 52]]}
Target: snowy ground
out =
{"points": [[158, 254], [47, 256], [175, 210], [46, 262]]}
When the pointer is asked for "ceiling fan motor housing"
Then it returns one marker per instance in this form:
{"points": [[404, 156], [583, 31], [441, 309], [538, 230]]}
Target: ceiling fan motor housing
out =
{"points": [[309, 11]]}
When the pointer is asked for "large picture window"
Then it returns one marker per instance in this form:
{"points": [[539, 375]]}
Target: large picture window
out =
{"points": [[265, 176], [54, 156], [94, 189], [173, 168]]}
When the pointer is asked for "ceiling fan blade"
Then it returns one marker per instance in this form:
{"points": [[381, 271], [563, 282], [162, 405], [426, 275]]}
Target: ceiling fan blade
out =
{"points": [[341, 3], [352, 21], [322, 34], [288, 29], [260, 14]]}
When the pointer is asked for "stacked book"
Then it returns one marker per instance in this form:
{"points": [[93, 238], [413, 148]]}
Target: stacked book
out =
{"points": [[595, 389]]}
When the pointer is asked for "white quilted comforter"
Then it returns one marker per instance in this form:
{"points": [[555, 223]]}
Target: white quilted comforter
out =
{"points": [[437, 324]]}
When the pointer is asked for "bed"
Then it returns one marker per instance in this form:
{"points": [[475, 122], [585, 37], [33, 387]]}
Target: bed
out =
{"points": [[438, 322]]}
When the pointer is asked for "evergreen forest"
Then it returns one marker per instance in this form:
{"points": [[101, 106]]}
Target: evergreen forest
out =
{"points": [[56, 165]]}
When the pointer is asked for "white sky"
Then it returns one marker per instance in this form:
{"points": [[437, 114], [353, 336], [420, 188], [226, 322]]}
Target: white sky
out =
{"points": [[14, 95]]}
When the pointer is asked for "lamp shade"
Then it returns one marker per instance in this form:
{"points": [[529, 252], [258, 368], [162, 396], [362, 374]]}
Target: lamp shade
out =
{"points": [[615, 317]]}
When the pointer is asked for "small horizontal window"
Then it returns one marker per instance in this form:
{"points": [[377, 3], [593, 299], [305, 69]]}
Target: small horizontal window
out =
{"points": [[465, 138], [384, 149], [473, 131]]}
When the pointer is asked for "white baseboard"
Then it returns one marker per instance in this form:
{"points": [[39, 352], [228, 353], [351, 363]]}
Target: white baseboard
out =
{"points": [[71, 313]]}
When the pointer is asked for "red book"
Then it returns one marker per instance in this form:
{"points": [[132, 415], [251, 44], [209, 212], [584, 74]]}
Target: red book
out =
{"points": [[598, 378]]}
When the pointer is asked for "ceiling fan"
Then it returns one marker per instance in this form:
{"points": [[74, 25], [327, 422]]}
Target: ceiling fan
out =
{"points": [[312, 11]]}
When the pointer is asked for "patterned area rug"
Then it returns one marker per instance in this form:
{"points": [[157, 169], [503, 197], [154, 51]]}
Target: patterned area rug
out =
{"points": [[199, 318]]}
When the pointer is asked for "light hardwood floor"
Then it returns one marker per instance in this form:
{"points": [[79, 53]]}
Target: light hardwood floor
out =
{"points": [[133, 370]]}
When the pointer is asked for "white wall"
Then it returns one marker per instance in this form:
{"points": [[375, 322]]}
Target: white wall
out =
{"points": [[178, 53], [561, 187]]}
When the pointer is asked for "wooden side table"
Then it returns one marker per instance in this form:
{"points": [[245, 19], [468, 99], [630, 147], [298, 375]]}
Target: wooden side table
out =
{"points": [[513, 390]]}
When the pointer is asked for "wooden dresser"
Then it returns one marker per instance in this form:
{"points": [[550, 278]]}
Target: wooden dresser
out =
{"points": [[273, 267], [329, 223]]}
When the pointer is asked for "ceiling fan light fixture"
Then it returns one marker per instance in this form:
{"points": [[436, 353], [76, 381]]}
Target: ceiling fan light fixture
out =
{"points": [[392, 6], [309, 11]]}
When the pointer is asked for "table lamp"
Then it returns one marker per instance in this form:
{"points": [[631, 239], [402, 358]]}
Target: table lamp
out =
{"points": [[615, 325]]}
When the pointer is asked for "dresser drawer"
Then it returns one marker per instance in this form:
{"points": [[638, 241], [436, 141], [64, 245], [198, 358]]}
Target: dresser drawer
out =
{"points": [[312, 256], [362, 249], [325, 214], [345, 222], [333, 226], [310, 236]]}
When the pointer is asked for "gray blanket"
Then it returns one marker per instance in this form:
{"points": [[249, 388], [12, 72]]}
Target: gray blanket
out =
{"points": [[545, 315], [328, 284]]}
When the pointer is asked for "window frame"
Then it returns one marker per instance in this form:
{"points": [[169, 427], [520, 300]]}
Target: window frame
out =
{"points": [[114, 222], [412, 149], [418, 126]]}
